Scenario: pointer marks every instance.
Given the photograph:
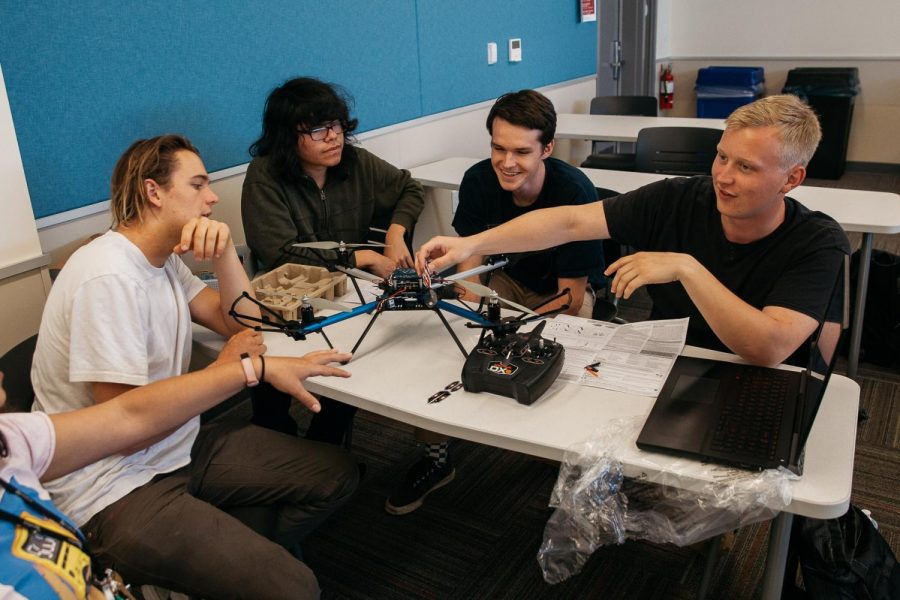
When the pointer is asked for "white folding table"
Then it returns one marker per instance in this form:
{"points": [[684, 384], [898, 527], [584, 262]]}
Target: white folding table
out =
{"points": [[407, 356]]}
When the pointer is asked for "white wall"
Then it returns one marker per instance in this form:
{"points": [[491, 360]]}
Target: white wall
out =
{"points": [[780, 35], [779, 28]]}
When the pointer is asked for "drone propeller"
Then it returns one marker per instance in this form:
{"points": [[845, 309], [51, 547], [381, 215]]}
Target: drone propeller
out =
{"points": [[317, 303], [359, 274], [337, 245], [486, 292]]}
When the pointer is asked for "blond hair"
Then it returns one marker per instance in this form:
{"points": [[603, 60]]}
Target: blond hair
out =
{"points": [[797, 125], [145, 159]]}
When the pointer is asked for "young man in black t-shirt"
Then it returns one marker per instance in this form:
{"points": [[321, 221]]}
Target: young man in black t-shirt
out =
{"points": [[752, 266], [520, 177]]}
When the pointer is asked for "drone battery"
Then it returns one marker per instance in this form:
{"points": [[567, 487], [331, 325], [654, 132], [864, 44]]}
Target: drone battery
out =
{"points": [[524, 376]]}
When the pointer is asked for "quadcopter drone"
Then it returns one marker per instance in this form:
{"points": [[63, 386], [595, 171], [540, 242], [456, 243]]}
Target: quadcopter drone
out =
{"points": [[505, 362]]}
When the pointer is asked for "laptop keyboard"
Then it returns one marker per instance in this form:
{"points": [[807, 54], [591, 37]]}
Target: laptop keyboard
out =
{"points": [[750, 421]]}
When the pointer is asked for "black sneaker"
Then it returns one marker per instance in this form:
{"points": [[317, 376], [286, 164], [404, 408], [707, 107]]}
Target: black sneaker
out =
{"points": [[422, 478]]}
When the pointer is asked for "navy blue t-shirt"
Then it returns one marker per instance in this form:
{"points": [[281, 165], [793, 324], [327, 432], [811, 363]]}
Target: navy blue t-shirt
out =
{"points": [[484, 204]]}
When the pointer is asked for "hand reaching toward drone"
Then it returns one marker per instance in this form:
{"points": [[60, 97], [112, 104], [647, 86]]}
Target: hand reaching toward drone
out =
{"points": [[441, 252], [396, 248], [376, 263]]}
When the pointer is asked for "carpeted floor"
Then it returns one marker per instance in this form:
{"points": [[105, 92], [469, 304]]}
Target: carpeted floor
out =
{"points": [[478, 537]]}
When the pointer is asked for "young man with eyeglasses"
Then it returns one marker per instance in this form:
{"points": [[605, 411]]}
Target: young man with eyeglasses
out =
{"points": [[307, 182]]}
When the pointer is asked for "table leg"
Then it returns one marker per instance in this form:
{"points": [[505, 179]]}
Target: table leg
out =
{"points": [[779, 537], [862, 282]]}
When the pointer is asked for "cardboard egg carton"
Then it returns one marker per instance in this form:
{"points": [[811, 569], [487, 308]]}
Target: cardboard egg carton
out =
{"points": [[282, 289]]}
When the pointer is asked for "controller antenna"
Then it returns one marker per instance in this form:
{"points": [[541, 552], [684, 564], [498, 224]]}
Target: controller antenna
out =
{"points": [[493, 308]]}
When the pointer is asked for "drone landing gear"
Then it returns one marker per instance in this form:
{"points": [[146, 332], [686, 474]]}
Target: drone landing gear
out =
{"points": [[358, 291], [434, 309]]}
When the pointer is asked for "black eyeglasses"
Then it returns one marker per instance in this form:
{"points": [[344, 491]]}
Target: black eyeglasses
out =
{"points": [[321, 132]]}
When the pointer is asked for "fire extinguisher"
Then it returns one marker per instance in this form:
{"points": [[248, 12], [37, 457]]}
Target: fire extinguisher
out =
{"points": [[666, 87]]}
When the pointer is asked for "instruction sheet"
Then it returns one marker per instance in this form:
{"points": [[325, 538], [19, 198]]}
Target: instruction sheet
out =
{"points": [[633, 357]]}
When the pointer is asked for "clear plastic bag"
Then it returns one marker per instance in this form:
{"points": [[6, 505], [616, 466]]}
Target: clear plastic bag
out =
{"points": [[596, 505]]}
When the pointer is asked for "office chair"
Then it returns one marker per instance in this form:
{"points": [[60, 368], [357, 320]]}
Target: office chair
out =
{"points": [[16, 367], [607, 307], [676, 150], [639, 106]]}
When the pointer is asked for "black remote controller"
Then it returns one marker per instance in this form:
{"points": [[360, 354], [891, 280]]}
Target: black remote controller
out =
{"points": [[516, 365]]}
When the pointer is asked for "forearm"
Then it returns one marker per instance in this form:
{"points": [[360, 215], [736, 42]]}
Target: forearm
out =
{"points": [[575, 297], [395, 235], [470, 263], [537, 230], [754, 335], [138, 416], [233, 282]]}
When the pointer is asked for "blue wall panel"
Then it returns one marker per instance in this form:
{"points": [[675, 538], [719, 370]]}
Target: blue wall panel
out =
{"points": [[86, 79], [453, 39]]}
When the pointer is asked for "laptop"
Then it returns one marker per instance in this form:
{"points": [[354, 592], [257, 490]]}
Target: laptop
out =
{"points": [[742, 415]]}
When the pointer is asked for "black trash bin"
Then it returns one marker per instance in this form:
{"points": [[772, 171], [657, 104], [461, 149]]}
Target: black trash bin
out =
{"points": [[831, 92]]}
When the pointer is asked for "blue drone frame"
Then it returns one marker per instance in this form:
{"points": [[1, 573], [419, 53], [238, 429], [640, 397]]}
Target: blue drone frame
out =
{"points": [[404, 289]]}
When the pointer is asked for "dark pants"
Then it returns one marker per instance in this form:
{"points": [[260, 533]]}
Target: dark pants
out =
{"points": [[218, 528], [270, 410]]}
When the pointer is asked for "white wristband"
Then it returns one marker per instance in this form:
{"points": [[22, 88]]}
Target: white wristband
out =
{"points": [[249, 371]]}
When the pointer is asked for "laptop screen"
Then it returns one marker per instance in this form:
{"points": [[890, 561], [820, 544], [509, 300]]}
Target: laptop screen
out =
{"points": [[822, 355]]}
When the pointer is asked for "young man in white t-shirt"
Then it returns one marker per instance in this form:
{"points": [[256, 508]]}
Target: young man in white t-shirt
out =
{"points": [[119, 316], [43, 554]]}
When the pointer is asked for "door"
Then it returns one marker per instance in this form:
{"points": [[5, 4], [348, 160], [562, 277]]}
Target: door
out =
{"points": [[626, 54], [626, 48]]}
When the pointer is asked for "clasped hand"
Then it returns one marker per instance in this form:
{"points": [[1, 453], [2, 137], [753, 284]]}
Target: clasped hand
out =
{"points": [[206, 238], [643, 268], [248, 341]]}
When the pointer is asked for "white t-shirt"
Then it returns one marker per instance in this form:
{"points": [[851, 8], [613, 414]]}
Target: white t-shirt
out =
{"points": [[30, 443], [113, 317]]}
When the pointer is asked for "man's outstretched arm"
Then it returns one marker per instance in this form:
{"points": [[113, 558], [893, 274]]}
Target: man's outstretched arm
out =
{"points": [[536, 230]]}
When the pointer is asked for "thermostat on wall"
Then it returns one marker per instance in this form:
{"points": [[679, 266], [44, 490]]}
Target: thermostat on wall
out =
{"points": [[515, 49]]}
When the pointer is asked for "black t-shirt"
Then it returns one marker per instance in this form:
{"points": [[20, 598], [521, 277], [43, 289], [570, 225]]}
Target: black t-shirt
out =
{"points": [[794, 267], [484, 204]]}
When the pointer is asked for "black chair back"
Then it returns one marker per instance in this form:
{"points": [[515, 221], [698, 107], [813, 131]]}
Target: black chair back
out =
{"points": [[630, 106], [635, 106], [676, 150], [16, 367]]}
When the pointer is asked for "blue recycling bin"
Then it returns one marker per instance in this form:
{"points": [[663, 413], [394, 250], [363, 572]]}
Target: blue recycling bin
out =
{"points": [[720, 90]]}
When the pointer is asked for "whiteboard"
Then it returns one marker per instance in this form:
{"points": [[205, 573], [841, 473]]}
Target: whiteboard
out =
{"points": [[18, 233]]}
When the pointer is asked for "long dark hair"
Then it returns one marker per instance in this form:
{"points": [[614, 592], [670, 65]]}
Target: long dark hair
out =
{"points": [[303, 101]]}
